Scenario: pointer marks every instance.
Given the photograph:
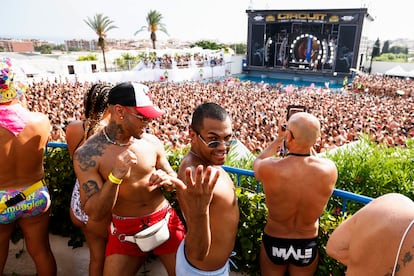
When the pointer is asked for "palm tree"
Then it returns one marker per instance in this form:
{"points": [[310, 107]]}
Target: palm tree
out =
{"points": [[153, 25], [101, 24]]}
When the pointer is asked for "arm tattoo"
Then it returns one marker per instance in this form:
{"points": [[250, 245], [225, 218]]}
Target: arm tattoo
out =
{"points": [[93, 148], [90, 187]]}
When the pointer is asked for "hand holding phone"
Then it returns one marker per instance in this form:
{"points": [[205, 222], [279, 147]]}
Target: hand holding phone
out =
{"points": [[292, 109]]}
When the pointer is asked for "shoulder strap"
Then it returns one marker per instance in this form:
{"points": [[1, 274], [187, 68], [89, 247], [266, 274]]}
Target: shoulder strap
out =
{"points": [[401, 243]]}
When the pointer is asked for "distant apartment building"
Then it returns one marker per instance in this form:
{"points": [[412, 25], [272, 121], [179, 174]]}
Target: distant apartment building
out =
{"points": [[28, 46], [121, 44], [81, 44], [17, 46]]}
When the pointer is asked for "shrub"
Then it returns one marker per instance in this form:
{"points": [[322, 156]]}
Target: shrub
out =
{"points": [[253, 213], [60, 177], [371, 169], [327, 223]]}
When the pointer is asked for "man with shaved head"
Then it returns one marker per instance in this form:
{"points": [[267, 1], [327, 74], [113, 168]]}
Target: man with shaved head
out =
{"points": [[297, 190]]}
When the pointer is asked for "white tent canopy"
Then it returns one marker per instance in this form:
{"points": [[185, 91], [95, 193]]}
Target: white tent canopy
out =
{"points": [[400, 72]]}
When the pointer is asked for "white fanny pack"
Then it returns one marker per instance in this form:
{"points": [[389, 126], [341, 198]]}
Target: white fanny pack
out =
{"points": [[150, 237]]}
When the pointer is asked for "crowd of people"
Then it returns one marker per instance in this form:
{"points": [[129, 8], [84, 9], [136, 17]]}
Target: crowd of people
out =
{"points": [[369, 105]]}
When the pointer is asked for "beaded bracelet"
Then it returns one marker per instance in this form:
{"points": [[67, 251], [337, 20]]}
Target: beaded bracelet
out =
{"points": [[114, 179]]}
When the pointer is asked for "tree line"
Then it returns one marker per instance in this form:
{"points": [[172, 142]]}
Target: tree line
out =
{"points": [[393, 53]]}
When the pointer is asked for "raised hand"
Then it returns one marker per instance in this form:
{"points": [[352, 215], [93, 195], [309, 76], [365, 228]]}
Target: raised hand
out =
{"points": [[199, 189], [162, 178]]}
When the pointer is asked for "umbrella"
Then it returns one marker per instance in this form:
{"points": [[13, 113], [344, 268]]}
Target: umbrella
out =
{"points": [[400, 92]]}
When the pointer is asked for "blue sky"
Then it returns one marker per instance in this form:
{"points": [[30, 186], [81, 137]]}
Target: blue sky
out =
{"points": [[220, 20]]}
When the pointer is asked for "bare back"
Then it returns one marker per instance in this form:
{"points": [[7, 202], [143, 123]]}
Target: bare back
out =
{"points": [[22, 155], [297, 190], [224, 217], [75, 133], [368, 241]]}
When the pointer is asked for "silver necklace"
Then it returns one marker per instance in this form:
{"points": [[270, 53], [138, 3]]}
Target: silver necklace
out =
{"points": [[109, 140]]}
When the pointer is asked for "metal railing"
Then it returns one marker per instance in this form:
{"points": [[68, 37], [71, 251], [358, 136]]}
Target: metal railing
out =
{"points": [[344, 195], [55, 145]]}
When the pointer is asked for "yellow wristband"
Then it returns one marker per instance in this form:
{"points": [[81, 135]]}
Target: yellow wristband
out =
{"points": [[114, 179]]}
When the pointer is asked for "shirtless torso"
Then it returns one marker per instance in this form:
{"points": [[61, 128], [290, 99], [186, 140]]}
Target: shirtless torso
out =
{"points": [[223, 223], [297, 190], [368, 242], [121, 170], [21, 166], [209, 203], [135, 197], [295, 200]]}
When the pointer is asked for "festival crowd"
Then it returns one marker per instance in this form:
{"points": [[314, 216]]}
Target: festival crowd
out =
{"points": [[368, 105]]}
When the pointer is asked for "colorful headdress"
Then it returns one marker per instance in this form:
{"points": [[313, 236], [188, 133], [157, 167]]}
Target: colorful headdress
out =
{"points": [[12, 82]]}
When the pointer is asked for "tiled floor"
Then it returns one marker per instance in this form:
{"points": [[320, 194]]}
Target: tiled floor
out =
{"points": [[70, 262]]}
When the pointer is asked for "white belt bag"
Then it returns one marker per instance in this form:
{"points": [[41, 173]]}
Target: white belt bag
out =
{"points": [[150, 237]]}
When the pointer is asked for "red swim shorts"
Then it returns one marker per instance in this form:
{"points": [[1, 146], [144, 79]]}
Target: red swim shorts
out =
{"points": [[130, 226]]}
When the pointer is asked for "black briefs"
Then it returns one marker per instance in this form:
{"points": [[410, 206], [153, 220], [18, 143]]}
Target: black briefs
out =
{"points": [[299, 252]]}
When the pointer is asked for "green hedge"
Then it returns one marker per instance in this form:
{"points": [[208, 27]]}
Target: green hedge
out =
{"points": [[369, 169], [366, 168], [60, 176]]}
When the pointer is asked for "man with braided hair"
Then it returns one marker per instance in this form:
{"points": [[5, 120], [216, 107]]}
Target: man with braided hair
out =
{"points": [[124, 171], [95, 103]]}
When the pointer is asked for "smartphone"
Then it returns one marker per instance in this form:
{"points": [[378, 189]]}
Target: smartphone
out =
{"points": [[292, 109]]}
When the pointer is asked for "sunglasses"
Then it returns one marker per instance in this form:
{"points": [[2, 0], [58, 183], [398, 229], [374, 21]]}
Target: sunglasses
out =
{"points": [[138, 116], [214, 144]]}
